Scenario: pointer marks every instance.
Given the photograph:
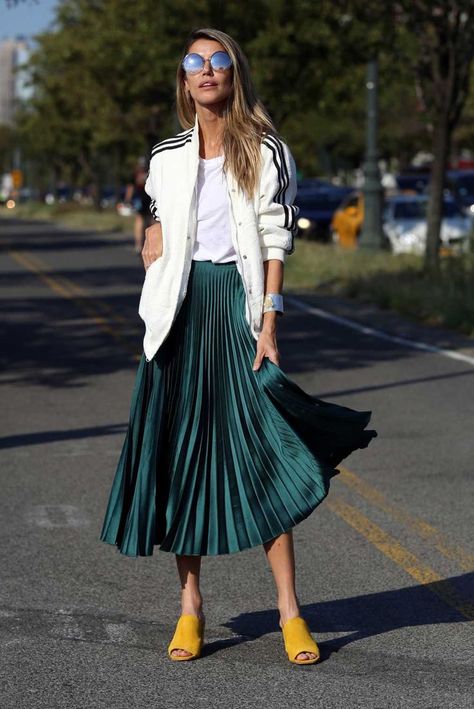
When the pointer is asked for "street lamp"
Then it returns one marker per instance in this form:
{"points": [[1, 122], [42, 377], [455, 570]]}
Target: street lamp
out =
{"points": [[372, 233]]}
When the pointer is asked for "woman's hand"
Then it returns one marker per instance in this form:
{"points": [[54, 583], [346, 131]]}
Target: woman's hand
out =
{"points": [[153, 247], [266, 343], [267, 347]]}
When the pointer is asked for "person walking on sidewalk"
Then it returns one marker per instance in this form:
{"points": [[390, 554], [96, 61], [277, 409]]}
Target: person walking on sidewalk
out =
{"points": [[223, 450], [136, 195]]}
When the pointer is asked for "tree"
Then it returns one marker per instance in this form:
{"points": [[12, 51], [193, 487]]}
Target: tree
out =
{"points": [[104, 80], [442, 65]]}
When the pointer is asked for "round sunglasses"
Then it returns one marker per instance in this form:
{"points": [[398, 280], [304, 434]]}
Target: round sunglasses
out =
{"points": [[193, 63]]}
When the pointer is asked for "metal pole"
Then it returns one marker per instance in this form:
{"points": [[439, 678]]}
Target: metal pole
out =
{"points": [[372, 234]]}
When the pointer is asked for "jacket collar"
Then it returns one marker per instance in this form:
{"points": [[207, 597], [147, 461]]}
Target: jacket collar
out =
{"points": [[195, 139]]}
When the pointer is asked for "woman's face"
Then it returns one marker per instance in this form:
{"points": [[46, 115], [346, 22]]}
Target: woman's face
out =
{"points": [[220, 81]]}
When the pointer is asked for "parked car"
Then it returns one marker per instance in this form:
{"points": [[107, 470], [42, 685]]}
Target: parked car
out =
{"points": [[460, 183], [413, 181], [314, 183], [317, 207], [405, 225]]}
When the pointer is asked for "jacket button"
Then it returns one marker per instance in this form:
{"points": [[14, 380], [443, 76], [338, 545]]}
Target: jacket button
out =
{"points": [[240, 223], [189, 238], [244, 256], [250, 290]]}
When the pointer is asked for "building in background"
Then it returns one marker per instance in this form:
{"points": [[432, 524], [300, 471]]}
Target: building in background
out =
{"points": [[13, 82]]}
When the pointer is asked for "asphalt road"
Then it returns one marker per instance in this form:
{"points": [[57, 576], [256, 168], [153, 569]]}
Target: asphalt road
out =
{"points": [[384, 564]]}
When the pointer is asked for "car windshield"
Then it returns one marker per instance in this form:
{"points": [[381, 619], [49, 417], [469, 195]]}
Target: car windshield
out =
{"points": [[319, 200], [417, 210], [450, 209], [409, 210], [464, 185]]}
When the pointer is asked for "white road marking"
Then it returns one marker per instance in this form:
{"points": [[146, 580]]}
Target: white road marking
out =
{"points": [[53, 516], [367, 330], [69, 629]]}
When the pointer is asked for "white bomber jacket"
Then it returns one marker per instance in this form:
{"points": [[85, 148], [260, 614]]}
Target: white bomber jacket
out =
{"points": [[262, 228]]}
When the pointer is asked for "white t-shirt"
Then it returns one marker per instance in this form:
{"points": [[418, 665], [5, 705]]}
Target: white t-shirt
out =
{"points": [[213, 236]]}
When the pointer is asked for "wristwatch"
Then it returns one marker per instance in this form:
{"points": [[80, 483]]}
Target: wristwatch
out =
{"points": [[273, 301]]}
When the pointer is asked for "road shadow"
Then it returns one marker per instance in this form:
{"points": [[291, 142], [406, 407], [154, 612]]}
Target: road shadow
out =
{"points": [[58, 343], [42, 236], [409, 381], [363, 616], [57, 336], [52, 340], [35, 438]]}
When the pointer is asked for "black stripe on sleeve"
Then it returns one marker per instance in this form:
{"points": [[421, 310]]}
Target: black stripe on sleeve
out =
{"points": [[271, 143], [283, 180], [154, 209]]}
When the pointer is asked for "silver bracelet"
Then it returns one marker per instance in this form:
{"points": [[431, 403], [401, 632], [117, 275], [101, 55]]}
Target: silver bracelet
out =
{"points": [[272, 302]]}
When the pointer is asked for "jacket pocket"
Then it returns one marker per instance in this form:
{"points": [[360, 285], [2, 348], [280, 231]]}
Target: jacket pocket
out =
{"points": [[149, 284], [153, 264]]}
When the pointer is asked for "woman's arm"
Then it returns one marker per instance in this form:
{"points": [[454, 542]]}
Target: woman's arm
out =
{"points": [[267, 344], [277, 225], [273, 283], [129, 190]]}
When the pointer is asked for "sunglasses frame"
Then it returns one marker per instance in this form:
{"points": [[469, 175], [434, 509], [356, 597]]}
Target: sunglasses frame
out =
{"points": [[218, 51]]}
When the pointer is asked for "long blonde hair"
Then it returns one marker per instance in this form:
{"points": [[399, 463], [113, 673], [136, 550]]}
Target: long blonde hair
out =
{"points": [[246, 121]]}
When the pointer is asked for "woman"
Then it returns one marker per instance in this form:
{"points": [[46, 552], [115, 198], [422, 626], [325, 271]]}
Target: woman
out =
{"points": [[223, 451], [136, 194]]}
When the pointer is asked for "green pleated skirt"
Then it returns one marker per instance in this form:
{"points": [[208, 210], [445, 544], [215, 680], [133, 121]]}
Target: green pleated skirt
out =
{"points": [[217, 457]]}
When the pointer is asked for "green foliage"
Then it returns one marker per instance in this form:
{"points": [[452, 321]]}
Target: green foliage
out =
{"points": [[104, 81]]}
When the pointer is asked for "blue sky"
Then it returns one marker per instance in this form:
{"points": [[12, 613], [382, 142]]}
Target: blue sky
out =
{"points": [[27, 18]]}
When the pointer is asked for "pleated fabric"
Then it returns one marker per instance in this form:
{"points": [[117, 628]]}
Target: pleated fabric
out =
{"points": [[218, 458]]}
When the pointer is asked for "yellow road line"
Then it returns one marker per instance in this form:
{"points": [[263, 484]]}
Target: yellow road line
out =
{"points": [[66, 289], [80, 291], [392, 548], [424, 530]]}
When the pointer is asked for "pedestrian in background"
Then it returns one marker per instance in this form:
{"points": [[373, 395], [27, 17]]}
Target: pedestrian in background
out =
{"points": [[223, 451], [136, 195]]}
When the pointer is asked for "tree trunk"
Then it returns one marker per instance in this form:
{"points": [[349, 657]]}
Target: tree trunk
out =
{"points": [[441, 147]]}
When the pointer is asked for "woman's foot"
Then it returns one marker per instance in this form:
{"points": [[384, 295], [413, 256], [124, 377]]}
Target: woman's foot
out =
{"points": [[286, 613], [190, 606]]}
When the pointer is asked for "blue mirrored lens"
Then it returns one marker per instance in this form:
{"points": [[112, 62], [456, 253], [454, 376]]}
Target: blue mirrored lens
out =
{"points": [[221, 61], [193, 63]]}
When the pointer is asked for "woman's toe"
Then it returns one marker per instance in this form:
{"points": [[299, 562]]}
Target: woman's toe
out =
{"points": [[306, 656], [180, 652]]}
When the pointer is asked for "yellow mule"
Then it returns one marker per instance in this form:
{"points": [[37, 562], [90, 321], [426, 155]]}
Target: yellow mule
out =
{"points": [[298, 639], [189, 636]]}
